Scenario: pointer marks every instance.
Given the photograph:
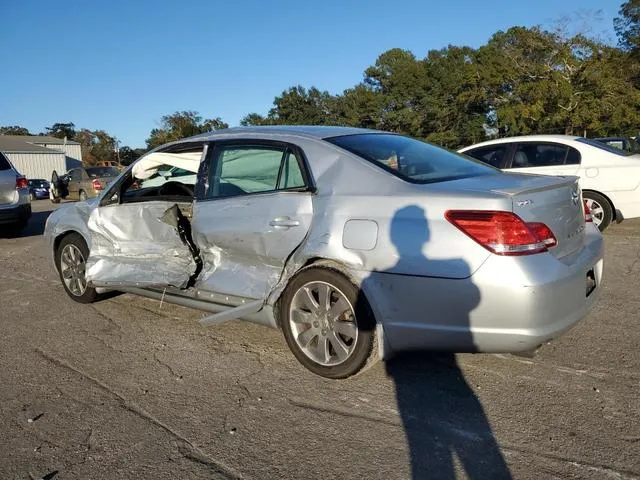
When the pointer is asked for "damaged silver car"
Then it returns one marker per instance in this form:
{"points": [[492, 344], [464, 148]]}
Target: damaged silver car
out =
{"points": [[358, 244]]}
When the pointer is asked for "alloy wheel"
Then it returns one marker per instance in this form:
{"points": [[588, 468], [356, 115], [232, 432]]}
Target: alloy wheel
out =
{"points": [[597, 212], [323, 323], [72, 268]]}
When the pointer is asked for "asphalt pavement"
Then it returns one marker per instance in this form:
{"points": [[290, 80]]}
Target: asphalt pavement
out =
{"points": [[130, 388]]}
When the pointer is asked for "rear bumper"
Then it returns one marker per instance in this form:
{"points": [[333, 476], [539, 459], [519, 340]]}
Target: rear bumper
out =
{"points": [[15, 213], [510, 304]]}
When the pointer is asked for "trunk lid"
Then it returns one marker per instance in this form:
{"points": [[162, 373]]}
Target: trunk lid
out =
{"points": [[555, 201]]}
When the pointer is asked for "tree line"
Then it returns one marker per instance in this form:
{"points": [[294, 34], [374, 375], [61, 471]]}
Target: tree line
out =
{"points": [[522, 81]]}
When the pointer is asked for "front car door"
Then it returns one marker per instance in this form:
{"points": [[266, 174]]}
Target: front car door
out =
{"points": [[253, 209], [73, 187], [140, 235]]}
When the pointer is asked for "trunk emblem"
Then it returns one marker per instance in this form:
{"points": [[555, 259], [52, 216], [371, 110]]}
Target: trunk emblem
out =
{"points": [[575, 196]]}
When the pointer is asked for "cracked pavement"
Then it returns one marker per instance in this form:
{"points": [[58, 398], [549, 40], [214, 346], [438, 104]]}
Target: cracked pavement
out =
{"points": [[125, 388]]}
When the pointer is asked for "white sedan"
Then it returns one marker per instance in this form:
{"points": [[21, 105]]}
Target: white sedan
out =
{"points": [[609, 177]]}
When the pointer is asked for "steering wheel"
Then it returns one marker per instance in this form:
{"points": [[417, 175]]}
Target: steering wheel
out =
{"points": [[175, 188]]}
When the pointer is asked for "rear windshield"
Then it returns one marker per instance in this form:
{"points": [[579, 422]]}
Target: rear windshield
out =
{"points": [[604, 146], [410, 159], [4, 163], [96, 172]]}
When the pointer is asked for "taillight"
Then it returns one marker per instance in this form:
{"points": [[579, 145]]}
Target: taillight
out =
{"points": [[96, 185], [503, 233], [587, 212], [21, 182]]}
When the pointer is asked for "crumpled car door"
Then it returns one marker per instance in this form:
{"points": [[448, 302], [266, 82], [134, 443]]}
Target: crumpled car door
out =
{"points": [[141, 245]]}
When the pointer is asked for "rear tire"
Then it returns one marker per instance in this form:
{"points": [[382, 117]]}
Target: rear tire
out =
{"points": [[601, 209], [83, 196], [55, 200], [71, 268], [327, 323]]}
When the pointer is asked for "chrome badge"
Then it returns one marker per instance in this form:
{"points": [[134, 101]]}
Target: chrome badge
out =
{"points": [[575, 196]]}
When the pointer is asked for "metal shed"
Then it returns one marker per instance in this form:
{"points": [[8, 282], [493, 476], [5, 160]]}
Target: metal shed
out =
{"points": [[35, 161]]}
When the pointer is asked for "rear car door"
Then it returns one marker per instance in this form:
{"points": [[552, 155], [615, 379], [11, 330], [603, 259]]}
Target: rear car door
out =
{"points": [[253, 209], [544, 158]]}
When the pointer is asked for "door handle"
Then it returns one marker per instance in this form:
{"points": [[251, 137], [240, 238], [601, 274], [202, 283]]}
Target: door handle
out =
{"points": [[285, 222]]}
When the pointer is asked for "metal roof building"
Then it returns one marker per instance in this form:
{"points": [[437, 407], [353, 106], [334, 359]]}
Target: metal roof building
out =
{"points": [[38, 156]]}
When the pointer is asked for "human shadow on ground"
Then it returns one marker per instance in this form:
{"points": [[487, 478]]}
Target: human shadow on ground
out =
{"points": [[444, 422]]}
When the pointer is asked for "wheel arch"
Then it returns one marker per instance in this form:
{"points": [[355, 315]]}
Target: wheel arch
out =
{"points": [[607, 198], [343, 269], [58, 240]]}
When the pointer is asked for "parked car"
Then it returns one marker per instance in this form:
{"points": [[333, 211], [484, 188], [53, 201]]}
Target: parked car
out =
{"points": [[609, 177], [82, 183], [38, 188], [15, 205], [356, 243], [623, 143]]}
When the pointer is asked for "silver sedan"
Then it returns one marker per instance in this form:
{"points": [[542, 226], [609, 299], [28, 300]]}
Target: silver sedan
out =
{"points": [[358, 244]]}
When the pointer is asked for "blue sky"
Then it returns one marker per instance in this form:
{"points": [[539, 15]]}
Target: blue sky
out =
{"points": [[120, 65]]}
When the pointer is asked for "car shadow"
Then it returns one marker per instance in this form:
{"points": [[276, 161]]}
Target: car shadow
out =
{"points": [[444, 422], [34, 227]]}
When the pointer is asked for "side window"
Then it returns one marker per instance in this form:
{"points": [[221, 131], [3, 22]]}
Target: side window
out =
{"points": [[493, 155], [241, 169], [75, 175], [539, 155], [573, 157], [291, 176]]}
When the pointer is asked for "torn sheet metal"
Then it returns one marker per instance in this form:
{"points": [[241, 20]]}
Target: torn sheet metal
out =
{"points": [[132, 246], [148, 166], [245, 243]]}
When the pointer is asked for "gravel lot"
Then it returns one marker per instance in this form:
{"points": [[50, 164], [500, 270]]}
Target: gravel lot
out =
{"points": [[126, 389]]}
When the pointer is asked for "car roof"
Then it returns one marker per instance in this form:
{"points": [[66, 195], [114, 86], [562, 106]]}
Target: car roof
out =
{"points": [[314, 131], [525, 138]]}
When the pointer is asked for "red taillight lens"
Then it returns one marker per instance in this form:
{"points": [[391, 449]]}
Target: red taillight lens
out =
{"points": [[543, 233], [96, 185], [587, 212], [503, 233], [21, 182]]}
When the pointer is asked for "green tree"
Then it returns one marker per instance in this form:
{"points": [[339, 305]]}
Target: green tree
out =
{"points": [[298, 106], [360, 106], [181, 125], [129, 155], [61, 130], [96, 146], [541, 82], [14, 130], [627, 26], [401, 81], [252, 119]]}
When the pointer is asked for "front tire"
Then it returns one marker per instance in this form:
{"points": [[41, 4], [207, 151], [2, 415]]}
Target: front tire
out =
{"points": [[71, 257], [601, 209], [327, 323]]}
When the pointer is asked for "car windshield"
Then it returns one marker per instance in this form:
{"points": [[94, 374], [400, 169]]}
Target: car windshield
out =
{"points": [[604, 146], [96, 172], [410, 159]]}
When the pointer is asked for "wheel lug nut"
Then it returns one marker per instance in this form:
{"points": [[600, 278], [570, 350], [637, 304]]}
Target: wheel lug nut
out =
{"points": [[315, 324]]}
